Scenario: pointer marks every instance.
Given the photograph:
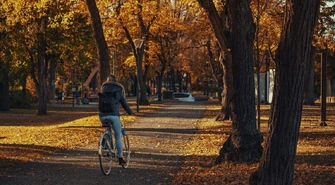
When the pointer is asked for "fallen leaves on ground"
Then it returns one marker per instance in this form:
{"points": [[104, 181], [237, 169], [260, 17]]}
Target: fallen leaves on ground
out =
{"points": [[26, 136], [315, 163]]}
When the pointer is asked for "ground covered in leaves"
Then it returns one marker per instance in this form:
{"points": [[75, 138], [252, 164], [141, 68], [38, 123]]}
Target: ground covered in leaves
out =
{"points": [[24, 136], [315, 163], [69, 128]]}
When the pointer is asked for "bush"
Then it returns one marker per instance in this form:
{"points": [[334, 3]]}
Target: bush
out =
{"points": [[18, 100]]}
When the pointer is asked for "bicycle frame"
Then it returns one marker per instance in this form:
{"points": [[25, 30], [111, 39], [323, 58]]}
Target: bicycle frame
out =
{"points": [[109, 154]]}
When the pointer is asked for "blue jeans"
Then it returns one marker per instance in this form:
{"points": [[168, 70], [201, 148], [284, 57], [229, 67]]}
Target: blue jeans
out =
{"points": [[116, 126]]}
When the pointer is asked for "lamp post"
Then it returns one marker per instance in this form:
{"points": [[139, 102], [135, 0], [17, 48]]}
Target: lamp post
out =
{"points": [[323, 89], [138, 44], [267, 66]]}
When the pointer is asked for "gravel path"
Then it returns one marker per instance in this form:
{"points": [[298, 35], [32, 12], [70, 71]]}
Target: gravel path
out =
{"points": [[156, 141]]}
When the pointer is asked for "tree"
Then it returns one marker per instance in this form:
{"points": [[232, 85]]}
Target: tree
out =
{"points": [[277, 163], [221, 25], [324, 43], [41, 51], [144, 20], [244, 143], [102, 48], [4, 85]]}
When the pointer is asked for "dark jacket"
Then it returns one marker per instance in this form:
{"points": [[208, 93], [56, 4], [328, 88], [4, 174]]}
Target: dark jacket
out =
{"points": [[117, 88]]}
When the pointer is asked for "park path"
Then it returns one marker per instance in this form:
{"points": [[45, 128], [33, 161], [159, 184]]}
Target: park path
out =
{"points": [[157, 142]]}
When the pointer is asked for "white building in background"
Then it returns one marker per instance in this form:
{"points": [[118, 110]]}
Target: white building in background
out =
{"points": [[270, 85]]}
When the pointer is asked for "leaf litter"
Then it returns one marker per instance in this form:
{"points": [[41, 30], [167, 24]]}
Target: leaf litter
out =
{"points": [[27, 137]]}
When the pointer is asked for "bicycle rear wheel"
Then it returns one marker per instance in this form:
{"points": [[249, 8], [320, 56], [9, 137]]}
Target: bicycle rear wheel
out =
{"points": [[126, 150], [105, 154]]}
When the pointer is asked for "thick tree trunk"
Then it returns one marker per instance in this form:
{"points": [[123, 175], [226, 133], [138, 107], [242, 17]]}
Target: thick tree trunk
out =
{"points": [[102, 48], [244, 143], [41, 50], [277, 163]]}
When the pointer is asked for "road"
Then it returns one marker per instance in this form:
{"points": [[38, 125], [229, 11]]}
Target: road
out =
{"points": [[157, 142]]}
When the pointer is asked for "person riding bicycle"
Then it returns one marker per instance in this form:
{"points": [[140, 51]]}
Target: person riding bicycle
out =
{"points": [[113, 115]]}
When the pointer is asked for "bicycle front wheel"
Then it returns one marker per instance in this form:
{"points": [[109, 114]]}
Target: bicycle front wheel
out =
{"points": [[105, 154], [126, 150]]}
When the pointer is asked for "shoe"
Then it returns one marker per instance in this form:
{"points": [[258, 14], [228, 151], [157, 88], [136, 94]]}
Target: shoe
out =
{"points": [[122, 161]]}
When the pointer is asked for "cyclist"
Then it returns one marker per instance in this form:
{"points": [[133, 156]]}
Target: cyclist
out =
{"points": [[112, 86]]}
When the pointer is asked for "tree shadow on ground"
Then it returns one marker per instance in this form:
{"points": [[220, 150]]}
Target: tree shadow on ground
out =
{"points": [[82, 167], [326, 158], [28, 117]]}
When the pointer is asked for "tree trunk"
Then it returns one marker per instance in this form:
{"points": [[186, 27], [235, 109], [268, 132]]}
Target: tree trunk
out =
{"points": [[4, 90], [244, 144], [225, 81], [220, 28], [52, 78], [277, 163], [41, 50], [102, 48], [309, 96], [159, 87], [228, 89], [143, 90]]}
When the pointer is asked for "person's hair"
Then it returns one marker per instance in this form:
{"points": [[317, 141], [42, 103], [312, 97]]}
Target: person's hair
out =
{"points": [[111, 78]]}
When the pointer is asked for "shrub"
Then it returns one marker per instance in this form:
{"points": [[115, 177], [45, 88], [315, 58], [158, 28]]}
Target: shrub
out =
{"points": [[19, 100]]}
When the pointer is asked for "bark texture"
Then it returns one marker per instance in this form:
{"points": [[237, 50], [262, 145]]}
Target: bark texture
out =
{"points": [[309, 95], [228, 89], [244, 143], [4, 90], [102, 48], [221, 24], [41, 50], [277, 163]]}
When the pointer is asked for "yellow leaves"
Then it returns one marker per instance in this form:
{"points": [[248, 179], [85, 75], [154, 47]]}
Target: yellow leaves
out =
{"points": [[25, 142], [25, 136], [130, 61], [314, 156]]}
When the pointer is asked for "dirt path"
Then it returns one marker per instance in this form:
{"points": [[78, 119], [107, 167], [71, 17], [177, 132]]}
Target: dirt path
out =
{"points": [[157, 142]]}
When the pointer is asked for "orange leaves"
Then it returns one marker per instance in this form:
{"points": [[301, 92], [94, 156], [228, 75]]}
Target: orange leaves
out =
{"points": [[27, 137], [314, 162]]}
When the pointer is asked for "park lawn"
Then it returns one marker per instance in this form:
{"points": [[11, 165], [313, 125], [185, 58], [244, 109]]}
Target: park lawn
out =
{"points": [[27, 137], [315, 162]]}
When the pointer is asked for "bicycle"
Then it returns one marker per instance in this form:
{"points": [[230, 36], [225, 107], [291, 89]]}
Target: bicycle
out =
{"points": [[107, 149]]}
